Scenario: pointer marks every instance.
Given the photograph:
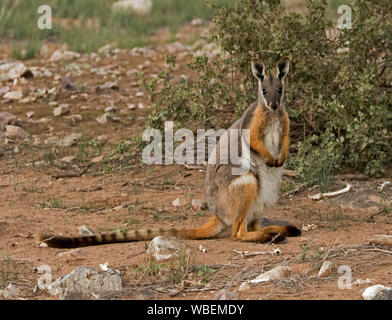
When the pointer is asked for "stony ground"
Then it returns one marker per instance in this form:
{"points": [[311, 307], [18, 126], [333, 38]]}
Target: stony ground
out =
{"points": [[63, 117]]}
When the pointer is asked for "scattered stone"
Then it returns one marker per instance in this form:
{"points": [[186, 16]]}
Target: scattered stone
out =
{"points": [[107, 117], [13, 95], [19, 71], [29, 114], [226, 295], [67, 84], [85, 231], [102, 139], [4, 90], [70, 140], [138, 6], [7, 118], [140, 106], [107, 86], [196, 22], [140, 94], [106, 49], [163, 248], [68, 159], [110, 109], [15, 132], [325, 269], [16, 149], [59, 55], [377, 292], [86, 282], [74, 252], [175, 47], [198, 204], [11, 292], [245, 286], [52, 140], [176, 202], [61, 110], [97, 159], [131, 107]]}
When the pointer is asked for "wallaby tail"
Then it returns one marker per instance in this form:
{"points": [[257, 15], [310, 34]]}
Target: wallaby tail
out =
{"points": [[210, 229]]}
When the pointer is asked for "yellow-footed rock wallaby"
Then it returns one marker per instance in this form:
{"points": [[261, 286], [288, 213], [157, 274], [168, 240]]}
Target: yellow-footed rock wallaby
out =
{"points": [[236, 200]]}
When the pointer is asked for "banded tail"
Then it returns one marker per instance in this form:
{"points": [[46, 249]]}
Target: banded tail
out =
{"points": [[210, 229]]}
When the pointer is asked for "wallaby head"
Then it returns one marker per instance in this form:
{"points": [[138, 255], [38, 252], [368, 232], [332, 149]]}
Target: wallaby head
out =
{"points": [[271, 86]]}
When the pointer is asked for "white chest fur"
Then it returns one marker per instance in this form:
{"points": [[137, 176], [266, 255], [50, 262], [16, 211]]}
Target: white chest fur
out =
{"points": [[269, 177], [273, 132]]}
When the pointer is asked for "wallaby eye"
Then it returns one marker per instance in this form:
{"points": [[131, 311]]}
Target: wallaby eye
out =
{"points": [[280, 90], [264, 91]]}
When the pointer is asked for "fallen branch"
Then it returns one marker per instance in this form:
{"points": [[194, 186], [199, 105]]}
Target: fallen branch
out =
{"points": [[318, 196], [247, 254]]}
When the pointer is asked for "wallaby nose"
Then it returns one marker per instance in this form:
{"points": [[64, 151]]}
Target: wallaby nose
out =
{"points": [[274, 106]]}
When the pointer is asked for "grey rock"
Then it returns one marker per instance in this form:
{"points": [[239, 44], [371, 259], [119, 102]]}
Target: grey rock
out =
{"points": [[7, 118], [138, 6], [377, 292], [164, 248], [84, 231], [86, 282], [15, 132]]}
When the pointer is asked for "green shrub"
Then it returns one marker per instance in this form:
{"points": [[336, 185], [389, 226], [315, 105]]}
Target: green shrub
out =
{"points": [[339, 88]]}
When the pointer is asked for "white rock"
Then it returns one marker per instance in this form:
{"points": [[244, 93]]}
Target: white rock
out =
{"points": [[59, 55], [6, 118], [377, 292], [140, 94], [18, 71], [69, 140], [84, 231], [176, 202], [175, 47], [138, 6], [61, 110], [29, 114], [106, 117], [86, 282], [325, 269], [10, 292], [15, 132], [245, 286], [68, 159], [163, 248], [52, 140], [196, 22], [274, 274], [13, 95]]}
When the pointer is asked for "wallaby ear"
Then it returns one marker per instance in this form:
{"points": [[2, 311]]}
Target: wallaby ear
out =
{"points": [[282, 68], [258, 70]]}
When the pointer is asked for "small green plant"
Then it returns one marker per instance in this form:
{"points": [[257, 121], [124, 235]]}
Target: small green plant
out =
{"points": [[8, 268], [54, 203], [385, 203]]}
